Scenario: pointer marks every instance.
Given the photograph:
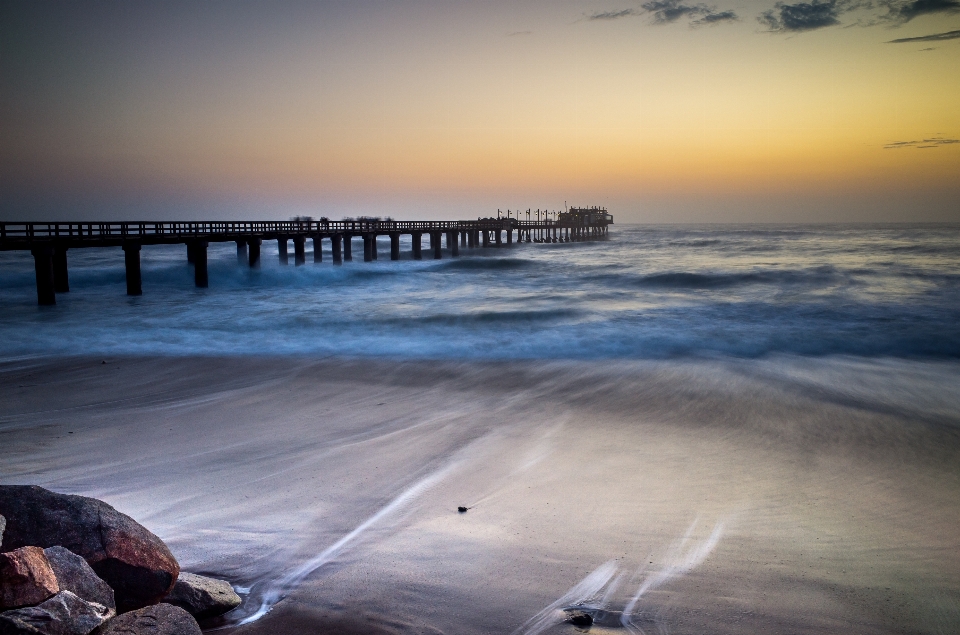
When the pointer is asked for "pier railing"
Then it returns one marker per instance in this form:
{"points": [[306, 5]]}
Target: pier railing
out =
{"points": [[20, 235]]}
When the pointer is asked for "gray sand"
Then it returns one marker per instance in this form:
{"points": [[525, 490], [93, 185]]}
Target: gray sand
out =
{"points": [[728, 497]]}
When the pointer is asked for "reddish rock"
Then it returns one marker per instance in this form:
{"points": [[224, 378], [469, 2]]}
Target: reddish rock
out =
{"points": [[75, 575], [162, 619], [132, 560], [63, 614], [25, 578]]}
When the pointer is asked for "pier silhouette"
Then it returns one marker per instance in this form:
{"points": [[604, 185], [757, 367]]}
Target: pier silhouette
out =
{"points": [[49, 242]]}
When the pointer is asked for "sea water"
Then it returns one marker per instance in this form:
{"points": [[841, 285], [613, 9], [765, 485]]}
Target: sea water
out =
{"points": [[645, 292]]}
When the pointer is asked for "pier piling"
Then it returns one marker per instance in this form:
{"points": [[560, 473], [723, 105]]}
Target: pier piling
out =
{"points": [[335, 243], [131, 261], [61, 281], [282, 251], [200, 278], [435, 243], [43, 263], [318, 248], [254, 252], [367, 248], [417, 240], [299, 252], [453, 243], [348, 247], [241, 252], [394, 246]]}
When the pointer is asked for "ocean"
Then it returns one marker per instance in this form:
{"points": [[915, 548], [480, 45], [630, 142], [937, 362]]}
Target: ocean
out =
{"points": [[648, 292], [679, 429]]}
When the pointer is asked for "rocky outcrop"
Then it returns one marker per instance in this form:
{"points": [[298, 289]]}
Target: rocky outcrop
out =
{"points": [[162, 619], [202, 597], [63, 614], [25, 578], [132, 560], [75, 575]]}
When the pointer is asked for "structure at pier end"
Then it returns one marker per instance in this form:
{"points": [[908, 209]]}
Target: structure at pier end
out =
{"points": [[49, 242]]}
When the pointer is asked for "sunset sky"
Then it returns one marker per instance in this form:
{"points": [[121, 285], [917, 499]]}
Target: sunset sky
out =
{"points": [[663, 111]]}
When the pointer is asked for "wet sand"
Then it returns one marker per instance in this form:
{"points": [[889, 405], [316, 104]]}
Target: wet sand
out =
{"points": [[783, 495]]}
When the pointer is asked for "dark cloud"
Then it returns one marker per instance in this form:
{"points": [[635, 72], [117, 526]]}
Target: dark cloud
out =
{"points": [[933, 142], [934, 37], [901, 11], [803, 16], [666, 11], [716, 18], [612, 15]]}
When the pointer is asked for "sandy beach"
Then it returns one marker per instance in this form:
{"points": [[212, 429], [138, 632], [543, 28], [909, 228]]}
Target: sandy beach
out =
{"points": [[727, 497]]}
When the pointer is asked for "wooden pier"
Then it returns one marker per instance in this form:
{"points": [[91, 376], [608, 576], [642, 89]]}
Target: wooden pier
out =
{"points": [[49, 242]]}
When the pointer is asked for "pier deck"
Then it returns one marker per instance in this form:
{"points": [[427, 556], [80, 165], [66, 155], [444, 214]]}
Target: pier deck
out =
{"points": [[49, 242]]}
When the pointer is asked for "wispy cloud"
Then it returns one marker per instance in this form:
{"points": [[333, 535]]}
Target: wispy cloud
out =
{"points": [[904, 11], [612, 15], [920, 144], [717, 17], [519, 33], [934, 37]]}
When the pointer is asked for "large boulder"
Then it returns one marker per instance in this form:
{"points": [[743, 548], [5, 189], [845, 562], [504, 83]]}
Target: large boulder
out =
{"points": [[26, 578], [133, 561], [63, 614], [162, 619], [202, 597], [75, 575]]}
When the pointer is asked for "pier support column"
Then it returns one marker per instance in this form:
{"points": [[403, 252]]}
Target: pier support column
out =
{"points": [[348, 247], [282, 250], [189, 253], [470, 242], [43, 263], [241, 252], [499, 237], [367, 248], [299, 253], [254, 252], [373, 247], [200, 264], [318, 248], [335, 242], [486, 238], [131, 259], [394, 246], [510, 236], [453, 243], [61, 281], [435, 242], [417, 245], [463, 238]]}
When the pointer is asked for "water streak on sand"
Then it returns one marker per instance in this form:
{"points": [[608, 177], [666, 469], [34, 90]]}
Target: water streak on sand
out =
{"points": [[682, 563], [276, 589], [605, 580]]}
